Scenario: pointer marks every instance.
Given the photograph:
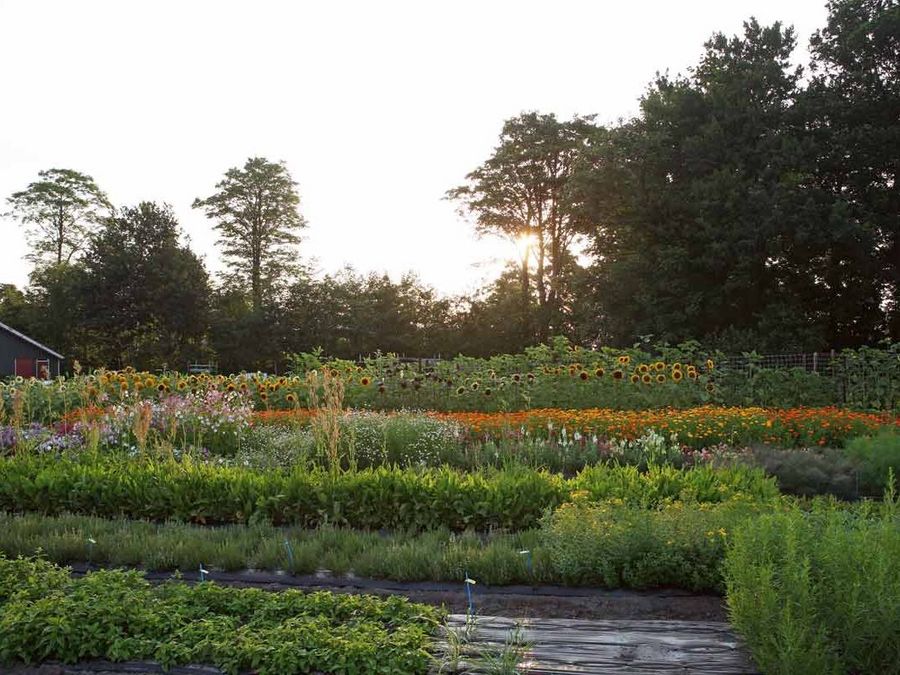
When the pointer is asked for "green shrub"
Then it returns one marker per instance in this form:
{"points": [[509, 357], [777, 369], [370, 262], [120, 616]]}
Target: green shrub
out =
{"points": [[616, 545], [875, 456], [119, 616], [818, 592]]}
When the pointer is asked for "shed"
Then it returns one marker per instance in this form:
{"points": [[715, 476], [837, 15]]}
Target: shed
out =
{"points": [[20, 355]]}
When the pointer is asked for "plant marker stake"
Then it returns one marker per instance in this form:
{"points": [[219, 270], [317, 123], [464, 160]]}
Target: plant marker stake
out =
{"points": [[290, 555], [469, 584], [203, 573], [91, 541], [528, 562]]}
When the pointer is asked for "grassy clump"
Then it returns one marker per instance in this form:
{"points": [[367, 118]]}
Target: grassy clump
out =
{"points": [[119, 616]]}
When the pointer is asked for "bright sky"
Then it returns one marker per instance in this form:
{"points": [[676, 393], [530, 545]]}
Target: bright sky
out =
{"points": [[377, 107]]}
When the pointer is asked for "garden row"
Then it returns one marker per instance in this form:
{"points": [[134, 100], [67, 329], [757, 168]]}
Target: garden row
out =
{"points": [[382, 498], [46, 614], [542, 377]]}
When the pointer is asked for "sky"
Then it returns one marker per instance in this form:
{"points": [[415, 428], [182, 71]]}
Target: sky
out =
{"points": [[377, 107]]}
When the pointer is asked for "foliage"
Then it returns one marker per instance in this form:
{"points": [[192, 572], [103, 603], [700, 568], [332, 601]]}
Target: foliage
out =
{"points": [[119, 616], [522, 193], [615, 545], [146, 294], [383, 498], [256, 214], [435, 555], [818, 593], [63, 206], [876, 456]]}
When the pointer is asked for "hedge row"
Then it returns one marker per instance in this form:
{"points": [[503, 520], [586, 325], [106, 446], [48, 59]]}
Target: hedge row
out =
{"points": [[382, 498]]}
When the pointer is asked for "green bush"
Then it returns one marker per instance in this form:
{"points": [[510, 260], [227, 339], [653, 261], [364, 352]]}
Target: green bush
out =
{"points": [[818, 593], [616, 545], [382, 498], [875, 456], [119, 616]]}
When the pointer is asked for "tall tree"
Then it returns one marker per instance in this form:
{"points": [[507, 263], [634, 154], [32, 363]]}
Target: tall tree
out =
{"points": [[523, 192], [146, 293], [257, 216], [852, 114], [697, 202], [62, 208]]}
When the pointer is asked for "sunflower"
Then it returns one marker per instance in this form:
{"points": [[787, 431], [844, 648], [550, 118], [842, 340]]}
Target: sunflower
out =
{"points": [[291, 398], [182, 385], [229, 386], [643, 368], [138, 385], [676, 366], [516, 377], [709, 364], [365, 380], [583, 375], [123, 386], [618, 374], [160, 387], [460, 391], [635, 378], [531, 377], [487, 391], [474, 385], [624, 359], [692, 374], [646, 379], [676, 375], [263, 396], [660, 378], [659, 365], [710, 387], [599, 372]]}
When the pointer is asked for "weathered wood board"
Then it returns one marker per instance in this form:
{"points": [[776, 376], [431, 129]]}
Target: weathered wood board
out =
{"points": [[563, 646]]}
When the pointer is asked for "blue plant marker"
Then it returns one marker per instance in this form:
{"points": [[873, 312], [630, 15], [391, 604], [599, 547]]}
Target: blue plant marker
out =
{"points": [[203, 573], [528, 562], [290, 555], [469, 584]]}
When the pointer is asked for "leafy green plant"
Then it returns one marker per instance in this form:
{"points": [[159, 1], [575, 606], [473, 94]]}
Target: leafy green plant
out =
{"points": [[818, 592], [119, 616]]}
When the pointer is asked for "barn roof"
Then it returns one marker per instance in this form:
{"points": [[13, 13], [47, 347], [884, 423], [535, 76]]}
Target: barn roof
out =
{"points": [[27, 339]]}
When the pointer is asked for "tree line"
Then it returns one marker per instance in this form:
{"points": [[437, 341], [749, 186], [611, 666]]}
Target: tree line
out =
{"points": [[749, 205]]}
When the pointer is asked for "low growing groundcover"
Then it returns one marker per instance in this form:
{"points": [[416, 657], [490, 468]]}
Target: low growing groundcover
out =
{"points": [[45, 614]]}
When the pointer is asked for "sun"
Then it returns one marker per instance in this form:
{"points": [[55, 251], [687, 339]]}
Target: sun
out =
{"points": [[525, 243]]}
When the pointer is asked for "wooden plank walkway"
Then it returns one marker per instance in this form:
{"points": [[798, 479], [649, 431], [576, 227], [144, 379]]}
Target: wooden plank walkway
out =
{"points": [[563, 646]]}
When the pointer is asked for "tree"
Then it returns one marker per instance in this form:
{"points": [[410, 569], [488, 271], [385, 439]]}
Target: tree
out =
{"points": [[523, 192], [63, 207], [146, 294], [700, 206], [256, 214], [851, 113]]}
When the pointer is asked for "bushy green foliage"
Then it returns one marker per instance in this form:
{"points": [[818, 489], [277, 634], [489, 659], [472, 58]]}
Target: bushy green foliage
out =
{"points": [[119, 616], [876, 456], [818, 593], [382, 498], [617, 545]]}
